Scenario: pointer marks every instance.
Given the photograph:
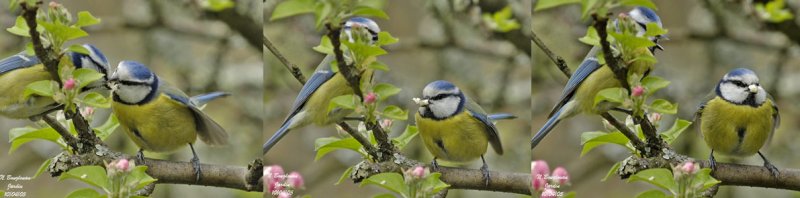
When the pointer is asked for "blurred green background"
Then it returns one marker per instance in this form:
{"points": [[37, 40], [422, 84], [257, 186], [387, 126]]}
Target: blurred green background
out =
{"points": [[439, 39], [186, 47], [703, 46]]}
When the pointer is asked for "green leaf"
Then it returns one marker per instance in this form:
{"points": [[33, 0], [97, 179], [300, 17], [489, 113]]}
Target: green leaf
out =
{"points": [[42, 88], [345, 175], [591, 37], [20, 28], [92, 175], [379, 66], [324, 46], [363, 49], [591, 140], [643, 3], [86, 19], [344, 101], [433, 182], [86, 76], [502, 21], [614, 94], [587, 7], [395, 112], [654, 30], [78, 49], [703, 178], [654, 193], [660, 177], [664, 106], [631, 41], [323, 146], [105, 130], [217, 5], [385, 90], [379, 4], [387, 195], [546, 4], [389, 181], [62, 32], [42, 167], [138, 177], [611, 171], [408, 135], [673, 132], [322, 10], [654, 83], [370, 12], [292, 7], [384, 38], [96, 100], [20, 136], [85, 193]]}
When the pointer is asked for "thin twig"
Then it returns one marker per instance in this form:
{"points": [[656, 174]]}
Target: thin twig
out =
{"points": [[359, 138], [560, 63], [71, 140], [291, 67], [637, 143]]}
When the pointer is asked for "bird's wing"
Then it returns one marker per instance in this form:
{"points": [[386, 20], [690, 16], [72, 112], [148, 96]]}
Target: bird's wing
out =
{"points": [[209, 131], [202, 99], [478, 113], [776, 118], [20, 60], [322, 74], [587, 67]]}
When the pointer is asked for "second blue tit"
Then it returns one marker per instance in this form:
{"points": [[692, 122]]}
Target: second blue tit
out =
{"points": [[592, 77], [454, 127], [159, 117], [17, 71], [311, 105], [740, 118]]}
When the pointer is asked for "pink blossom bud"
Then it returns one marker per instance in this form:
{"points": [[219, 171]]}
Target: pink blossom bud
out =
{"points": [[274, 186], [654, 117], [273, 174], [418, 172], [370, 98], [637, 91], [539, 172], [549, 193], [689, 167], [123, 165], [295, 180], [87, 112], [54, 4], [69, 84], [386, 123], [560, 175]]}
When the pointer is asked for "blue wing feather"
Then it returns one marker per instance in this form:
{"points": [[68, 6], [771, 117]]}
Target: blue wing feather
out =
{"points": [[320, 76], [494, 138], [17, 61], [587, 67]]}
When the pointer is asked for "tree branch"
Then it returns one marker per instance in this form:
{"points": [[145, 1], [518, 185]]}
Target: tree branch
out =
{"points": [[637, 143], [458, 178], [353, 79], [560, 63], [169, 172], [68, 138], [291, 67], [246, 26]]}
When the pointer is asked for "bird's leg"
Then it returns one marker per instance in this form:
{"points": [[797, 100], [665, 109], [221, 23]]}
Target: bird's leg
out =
{"points": [[140, 156], [434, 164], [195, 164], [712, 161], [485, 171], [772, 169]]}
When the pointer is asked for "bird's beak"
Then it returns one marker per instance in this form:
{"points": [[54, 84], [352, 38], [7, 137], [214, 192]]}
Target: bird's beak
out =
{"points": [[658, 46], [753, 88], [421, 102]]}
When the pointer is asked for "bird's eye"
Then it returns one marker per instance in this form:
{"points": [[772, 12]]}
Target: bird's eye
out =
{"points": [[739, 83]]}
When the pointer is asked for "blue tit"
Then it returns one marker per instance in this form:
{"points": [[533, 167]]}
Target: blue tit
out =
{"points": [[740, 117], [592, 77], [311, 105], [159, 117], [17, 71], [453, 127]]}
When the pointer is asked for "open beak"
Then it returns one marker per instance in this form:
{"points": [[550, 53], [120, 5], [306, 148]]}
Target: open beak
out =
{"points": [[421, 102]]}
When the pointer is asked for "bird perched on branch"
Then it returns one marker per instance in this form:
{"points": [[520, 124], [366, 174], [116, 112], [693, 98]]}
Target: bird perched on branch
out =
{"points": [[159, 117], [454, 127], [740, 117], [592, 76], [311, 105], [17, 71]]}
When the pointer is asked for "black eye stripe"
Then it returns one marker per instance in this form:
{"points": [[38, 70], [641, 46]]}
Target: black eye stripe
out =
{"points": [[133, 83], [738, 83], [442, 96]]}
